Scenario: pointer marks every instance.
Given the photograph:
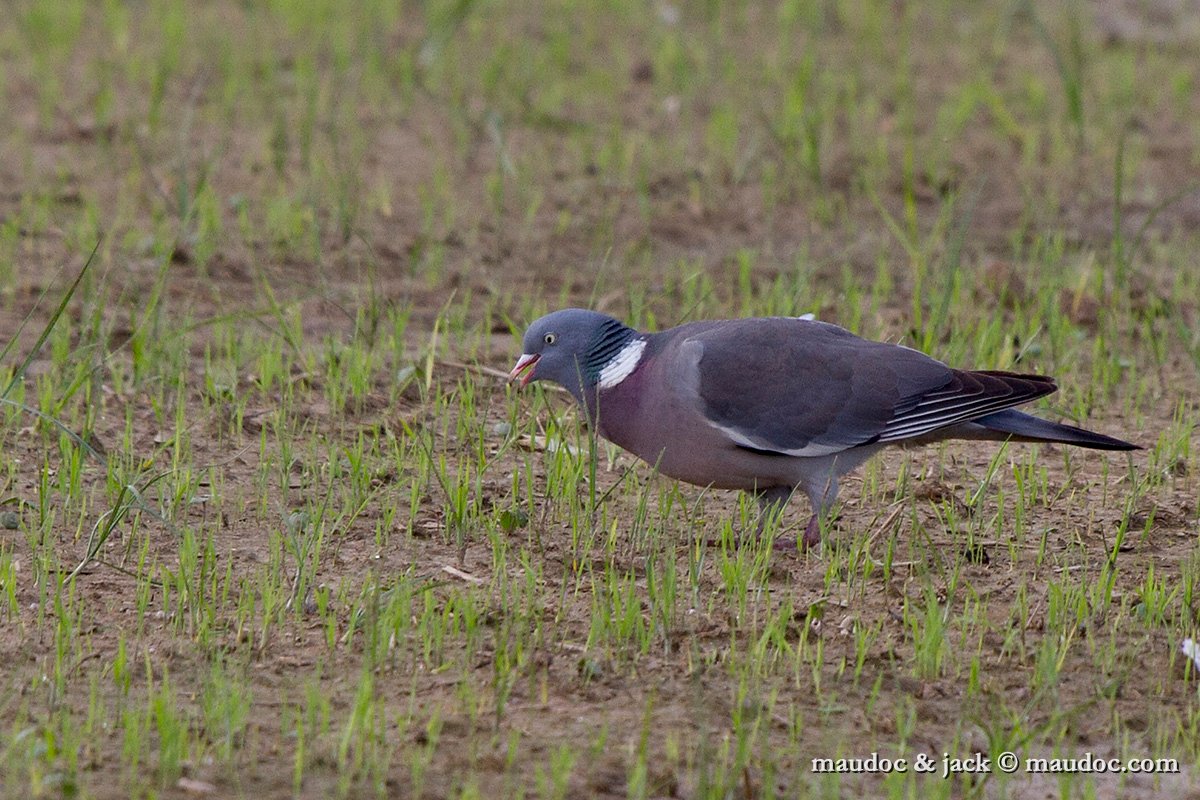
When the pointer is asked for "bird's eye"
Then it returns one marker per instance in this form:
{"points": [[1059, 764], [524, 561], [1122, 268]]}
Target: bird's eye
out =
{"points": [[550, 338]]}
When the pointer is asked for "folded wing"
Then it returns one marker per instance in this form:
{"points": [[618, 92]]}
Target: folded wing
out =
{"points": [[802, 388]]}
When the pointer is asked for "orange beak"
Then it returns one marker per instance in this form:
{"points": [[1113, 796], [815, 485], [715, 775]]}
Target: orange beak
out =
{"points": [[524, 365]]}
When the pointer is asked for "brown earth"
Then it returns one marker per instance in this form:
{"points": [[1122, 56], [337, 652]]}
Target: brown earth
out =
{"points": [[566, 693]]}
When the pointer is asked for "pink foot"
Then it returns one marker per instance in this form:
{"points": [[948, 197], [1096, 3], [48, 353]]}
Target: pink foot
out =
{"points": [[812, 533]]}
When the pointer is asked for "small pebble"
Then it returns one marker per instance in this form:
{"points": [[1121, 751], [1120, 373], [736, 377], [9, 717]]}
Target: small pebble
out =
{"points": [[10, 520]]}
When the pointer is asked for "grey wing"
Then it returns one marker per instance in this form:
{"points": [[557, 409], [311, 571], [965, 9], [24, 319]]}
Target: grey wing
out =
{"points": [[803, 388]]}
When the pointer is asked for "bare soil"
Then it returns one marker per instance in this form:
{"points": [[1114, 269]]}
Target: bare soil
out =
{"points": [[567, 694]]}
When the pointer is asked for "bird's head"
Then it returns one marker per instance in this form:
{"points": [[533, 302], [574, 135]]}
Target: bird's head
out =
{"points": [[571, 348]]}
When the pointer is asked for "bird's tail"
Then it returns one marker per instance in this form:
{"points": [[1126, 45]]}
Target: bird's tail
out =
{"points": [[1025, 427]]}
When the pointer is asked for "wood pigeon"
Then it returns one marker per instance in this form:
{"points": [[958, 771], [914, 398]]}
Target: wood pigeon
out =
{"points": [[771, 405]]}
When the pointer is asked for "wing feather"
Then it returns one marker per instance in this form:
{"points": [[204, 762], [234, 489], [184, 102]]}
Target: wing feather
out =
{"points": [[805, 388], [974, 394]]}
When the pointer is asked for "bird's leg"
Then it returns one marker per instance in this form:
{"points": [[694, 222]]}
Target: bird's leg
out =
{"points": [[770, 506], [812, 532], [823, 498]]}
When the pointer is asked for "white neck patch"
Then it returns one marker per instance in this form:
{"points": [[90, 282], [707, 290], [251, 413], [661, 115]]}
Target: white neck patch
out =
{"points": [[622, 365]]}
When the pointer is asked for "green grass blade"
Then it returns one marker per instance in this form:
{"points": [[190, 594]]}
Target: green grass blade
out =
{"points": [[58, 312]]}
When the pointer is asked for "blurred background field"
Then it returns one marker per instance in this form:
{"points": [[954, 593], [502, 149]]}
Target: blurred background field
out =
{"points": [[272, 524]]}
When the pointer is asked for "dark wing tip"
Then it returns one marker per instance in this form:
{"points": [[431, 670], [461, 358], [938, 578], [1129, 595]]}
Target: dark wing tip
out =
{"points": [[968, 395], [1021, 382]]}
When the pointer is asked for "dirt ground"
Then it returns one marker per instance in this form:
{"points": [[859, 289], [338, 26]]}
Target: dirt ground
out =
{"points": [[673, 709]]}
